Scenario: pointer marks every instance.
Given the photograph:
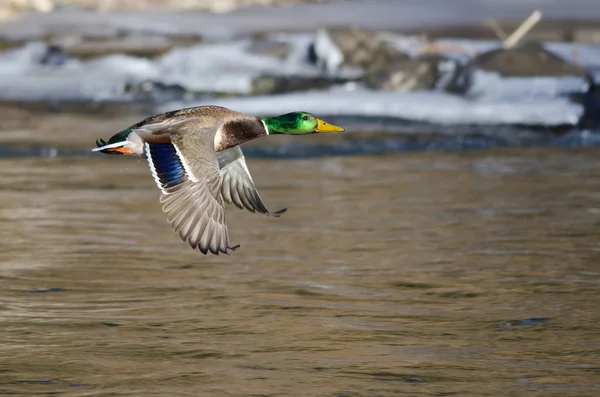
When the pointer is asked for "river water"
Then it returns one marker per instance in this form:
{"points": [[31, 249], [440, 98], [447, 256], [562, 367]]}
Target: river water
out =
{"points": [[471, 273]]}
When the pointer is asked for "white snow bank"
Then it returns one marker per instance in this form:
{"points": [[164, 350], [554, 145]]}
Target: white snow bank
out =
{"points": [[434, 107], [226, 67], [492, 86], [22, 77]]}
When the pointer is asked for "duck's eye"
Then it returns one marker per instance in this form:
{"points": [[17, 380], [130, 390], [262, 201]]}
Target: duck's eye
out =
{"points": [[305, 118]]}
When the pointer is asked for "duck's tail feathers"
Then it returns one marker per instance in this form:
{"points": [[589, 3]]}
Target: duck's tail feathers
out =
{"points": [[102, 146], [132, 145]]}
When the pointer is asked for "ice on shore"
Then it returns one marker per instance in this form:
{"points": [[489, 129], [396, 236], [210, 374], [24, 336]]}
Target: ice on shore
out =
{"points": [[432, 107]]}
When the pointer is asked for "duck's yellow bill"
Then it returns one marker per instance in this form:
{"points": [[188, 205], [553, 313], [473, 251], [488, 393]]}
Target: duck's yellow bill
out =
{"points": [[322, 126]]}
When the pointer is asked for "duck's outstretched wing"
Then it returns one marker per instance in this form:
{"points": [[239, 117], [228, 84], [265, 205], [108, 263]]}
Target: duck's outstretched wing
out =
{"points": [[187, 172], [237, 185]]}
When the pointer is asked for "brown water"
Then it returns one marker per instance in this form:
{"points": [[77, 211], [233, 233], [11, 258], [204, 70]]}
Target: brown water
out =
{"points": [[427, 274]]}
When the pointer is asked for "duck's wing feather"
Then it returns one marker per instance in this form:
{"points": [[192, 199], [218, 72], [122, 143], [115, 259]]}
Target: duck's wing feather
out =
{"points": [[191, 188], [237, 185]]}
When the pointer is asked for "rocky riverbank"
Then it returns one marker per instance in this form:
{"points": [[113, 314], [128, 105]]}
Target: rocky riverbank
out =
{"points": [[386, 78]]}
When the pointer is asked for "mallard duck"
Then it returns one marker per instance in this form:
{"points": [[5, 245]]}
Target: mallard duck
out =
{"points": [[196, 161]]}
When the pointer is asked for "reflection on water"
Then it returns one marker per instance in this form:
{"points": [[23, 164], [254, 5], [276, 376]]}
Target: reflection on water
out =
{"points": [[421, 274]]}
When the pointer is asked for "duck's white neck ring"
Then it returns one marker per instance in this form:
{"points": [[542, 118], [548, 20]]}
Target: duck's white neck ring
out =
{"points": [[265, 125]]}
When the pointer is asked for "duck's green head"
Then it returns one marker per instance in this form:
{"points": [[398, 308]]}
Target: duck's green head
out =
{"points": [[298, 123]]}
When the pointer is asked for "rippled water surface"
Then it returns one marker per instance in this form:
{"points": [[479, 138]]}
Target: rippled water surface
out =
{"points": [[423, 274]]}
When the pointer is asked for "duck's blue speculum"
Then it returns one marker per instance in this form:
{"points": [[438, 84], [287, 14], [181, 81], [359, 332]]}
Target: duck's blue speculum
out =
{"points": [[166, 165]]}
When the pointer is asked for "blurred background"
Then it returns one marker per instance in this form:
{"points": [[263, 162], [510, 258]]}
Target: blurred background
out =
{"points": [[445, 244]]}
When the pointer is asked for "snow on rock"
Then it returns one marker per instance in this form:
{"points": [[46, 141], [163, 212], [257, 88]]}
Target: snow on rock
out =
{"points": [[224, 67], [23, 76]]}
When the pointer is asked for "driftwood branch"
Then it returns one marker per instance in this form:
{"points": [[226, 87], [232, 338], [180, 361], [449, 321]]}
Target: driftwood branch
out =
{"points": [[498, 30], [522, 30]]}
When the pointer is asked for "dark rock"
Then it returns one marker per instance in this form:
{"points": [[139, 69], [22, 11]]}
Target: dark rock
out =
{"points": [[267, 84], [429, 72], [528, 60], [54, 56], [406, 75], [352, 47], [590, 100], [154, 91], [35, 54], [455, 75]]}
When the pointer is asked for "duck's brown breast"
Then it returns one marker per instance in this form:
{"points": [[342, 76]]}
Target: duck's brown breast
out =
{"points": [[236, 132]]}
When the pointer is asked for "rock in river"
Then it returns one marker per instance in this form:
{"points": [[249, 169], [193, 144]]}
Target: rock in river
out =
{"points": [[528, 60], [427, 72], [352, 47]]}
